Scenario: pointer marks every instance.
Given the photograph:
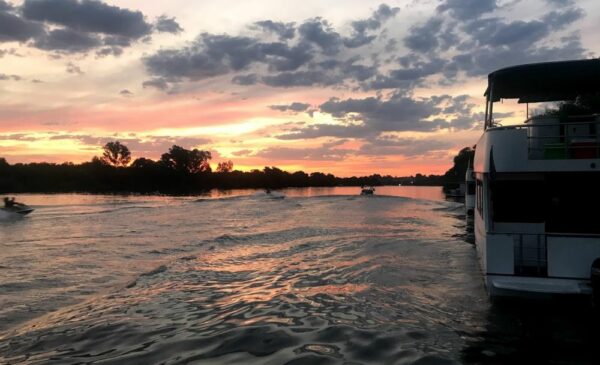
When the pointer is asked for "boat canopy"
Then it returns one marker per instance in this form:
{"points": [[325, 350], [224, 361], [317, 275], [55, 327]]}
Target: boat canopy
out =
{"points": [[548, 81]]}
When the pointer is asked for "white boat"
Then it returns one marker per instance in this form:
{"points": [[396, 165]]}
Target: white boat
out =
{"points": [[538, 186], [367, 190]]}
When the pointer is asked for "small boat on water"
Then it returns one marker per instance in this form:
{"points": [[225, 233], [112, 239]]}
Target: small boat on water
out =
{"points": [[367, 190], [11, 206], [18, 208]]}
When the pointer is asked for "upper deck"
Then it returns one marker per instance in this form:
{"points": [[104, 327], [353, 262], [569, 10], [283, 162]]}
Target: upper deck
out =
{"points": [[541, 144]]}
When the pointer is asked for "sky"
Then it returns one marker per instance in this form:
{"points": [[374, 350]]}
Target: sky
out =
{"points": [[350, 87]]}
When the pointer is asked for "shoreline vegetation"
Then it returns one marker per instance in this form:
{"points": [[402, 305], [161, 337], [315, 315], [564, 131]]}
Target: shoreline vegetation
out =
{"points": [[180, 172]]}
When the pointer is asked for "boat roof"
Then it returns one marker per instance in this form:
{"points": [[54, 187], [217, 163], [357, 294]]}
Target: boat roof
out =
{"points": [[548, 81]]}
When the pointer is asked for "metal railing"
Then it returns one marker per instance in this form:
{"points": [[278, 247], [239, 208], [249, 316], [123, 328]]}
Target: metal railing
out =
{"points": [[554, 138], [530, 254]]}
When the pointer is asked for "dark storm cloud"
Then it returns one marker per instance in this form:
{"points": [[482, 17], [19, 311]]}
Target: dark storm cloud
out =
{"points": [[396, 114], [461, 38], [77, 26], [320, 32], [167, 25], [424, 38], [467, 9], [4, 6], [495, 32], [294, 107], [157, 83], [300, 78], [109, 51], [283, 30], [408, 77], [214, 55], [88, 16], [483, 60], [560, 3], [67, 40], [14, 28], [360, 36], [311, 53], [249, 79], [562, 18]]}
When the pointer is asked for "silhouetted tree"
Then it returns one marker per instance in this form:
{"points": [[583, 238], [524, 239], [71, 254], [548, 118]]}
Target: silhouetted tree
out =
{"points": [[461, 161], [226, 166], [181, 159], [97, 161], [116, 154], [142, 163]]}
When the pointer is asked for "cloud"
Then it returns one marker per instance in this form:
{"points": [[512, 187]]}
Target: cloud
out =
{"points": [[249, 79], [309, 54], [74, 69], [4, 6], [370, 117], [327, 152], [467, 9], [5, 77], [294, 107], [562, 18], [318, 31], [300, 78], [125, 93], [157, 83], [67, 40], [408, 147], [283, 30], [77, 26], [360, 37], [424, 38], [138, 145], [14, 28], [245, 152], [409, 76], [88, 16], [167, 25]]}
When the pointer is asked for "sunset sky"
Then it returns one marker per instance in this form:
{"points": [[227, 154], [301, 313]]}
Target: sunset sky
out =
{"points": [[350, 87]]}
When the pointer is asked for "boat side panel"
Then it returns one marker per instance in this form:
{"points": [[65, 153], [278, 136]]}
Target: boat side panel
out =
{"points": [[511, 154], [572, 257], [500, 254]]}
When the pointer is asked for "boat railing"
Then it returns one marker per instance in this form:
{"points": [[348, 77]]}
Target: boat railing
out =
{"points": [[530, 254], [554, 138]]}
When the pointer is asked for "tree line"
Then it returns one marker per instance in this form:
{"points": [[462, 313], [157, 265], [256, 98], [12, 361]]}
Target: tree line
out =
{"points": [[178, 171]]}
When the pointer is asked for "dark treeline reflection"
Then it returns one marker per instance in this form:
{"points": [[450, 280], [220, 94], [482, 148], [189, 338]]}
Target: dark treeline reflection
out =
{"points": [[182, 171]]}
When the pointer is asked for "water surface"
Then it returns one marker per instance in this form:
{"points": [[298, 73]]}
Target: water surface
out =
{"points": [[323, 276]]}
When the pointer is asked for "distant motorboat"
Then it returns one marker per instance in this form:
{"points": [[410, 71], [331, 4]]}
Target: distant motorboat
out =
{"points": [[18, 208], [274, 194], [367, 190]]}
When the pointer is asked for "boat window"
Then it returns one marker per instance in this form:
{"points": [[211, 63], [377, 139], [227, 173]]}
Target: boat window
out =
{"points": [[563, 202], [518, 201], [471, 187], [572, 202]]}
